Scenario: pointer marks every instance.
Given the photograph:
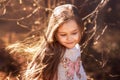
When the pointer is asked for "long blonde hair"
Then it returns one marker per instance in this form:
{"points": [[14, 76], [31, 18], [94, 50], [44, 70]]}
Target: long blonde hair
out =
{"points": [[45, 61]]}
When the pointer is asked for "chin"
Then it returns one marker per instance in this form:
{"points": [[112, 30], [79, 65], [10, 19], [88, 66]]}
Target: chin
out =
{"points": [[69, 47]]}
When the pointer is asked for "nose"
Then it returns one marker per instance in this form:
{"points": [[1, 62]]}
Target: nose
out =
{"points": [[69, 38]]}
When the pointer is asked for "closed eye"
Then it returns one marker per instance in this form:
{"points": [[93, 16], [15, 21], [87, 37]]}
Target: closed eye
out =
{"points": [[62, 34], [74, 33]]}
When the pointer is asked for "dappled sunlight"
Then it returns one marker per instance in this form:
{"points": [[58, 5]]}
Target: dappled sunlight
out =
{"points": [[22, 27]]}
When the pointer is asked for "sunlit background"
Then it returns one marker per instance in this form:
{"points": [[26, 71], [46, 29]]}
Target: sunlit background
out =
{"points": [[22, 18]]}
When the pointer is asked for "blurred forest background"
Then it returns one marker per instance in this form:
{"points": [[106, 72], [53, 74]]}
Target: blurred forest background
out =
{"points": [[20, 19]]}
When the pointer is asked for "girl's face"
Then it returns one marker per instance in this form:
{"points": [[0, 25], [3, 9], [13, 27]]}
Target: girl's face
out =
{"points": [[69, 34]]}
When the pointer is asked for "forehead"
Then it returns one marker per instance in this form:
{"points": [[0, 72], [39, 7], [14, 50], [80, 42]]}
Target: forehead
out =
{"points": [[70, 25]]}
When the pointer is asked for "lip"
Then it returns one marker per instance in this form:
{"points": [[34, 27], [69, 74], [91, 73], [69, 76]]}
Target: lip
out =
{"points": [[69, 42]]}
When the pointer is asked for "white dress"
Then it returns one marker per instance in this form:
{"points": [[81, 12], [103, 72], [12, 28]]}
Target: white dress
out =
{"points": [[70, 67]]}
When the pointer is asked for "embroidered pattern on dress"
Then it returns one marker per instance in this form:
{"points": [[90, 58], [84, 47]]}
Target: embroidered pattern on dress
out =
{"points": [[71, 67]]}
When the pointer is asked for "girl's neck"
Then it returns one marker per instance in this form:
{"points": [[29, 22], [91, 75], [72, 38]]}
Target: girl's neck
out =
{"points": [[77, 46]]}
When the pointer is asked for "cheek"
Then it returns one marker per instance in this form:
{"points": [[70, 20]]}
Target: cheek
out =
{"points": [[78, 37], [61, 39]]}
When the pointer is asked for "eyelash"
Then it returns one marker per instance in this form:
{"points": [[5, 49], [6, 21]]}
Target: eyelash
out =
{"points": [[72, 34], [63, 34]]}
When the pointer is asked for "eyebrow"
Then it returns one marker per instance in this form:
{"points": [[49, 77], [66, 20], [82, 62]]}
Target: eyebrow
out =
{"points": [[72, 31]]}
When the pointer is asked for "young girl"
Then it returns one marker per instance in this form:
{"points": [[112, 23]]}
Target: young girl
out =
{"points": [[59, 55]]}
